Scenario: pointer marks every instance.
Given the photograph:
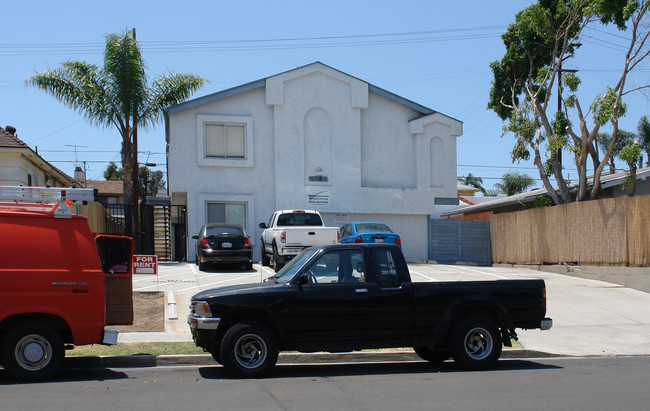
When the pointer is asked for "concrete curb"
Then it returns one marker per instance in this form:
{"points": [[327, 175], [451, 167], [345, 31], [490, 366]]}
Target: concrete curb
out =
{"points": [[143, 361]]}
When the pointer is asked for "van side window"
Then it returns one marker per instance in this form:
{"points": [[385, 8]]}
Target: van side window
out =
{"points": [[115, 254], [386, 268]]}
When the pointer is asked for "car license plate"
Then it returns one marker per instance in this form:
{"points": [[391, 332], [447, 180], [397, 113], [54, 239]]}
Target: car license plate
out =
{"points": [[379, 240], [226, 245]]}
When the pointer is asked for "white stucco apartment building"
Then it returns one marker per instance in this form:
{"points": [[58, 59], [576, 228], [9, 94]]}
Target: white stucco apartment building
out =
{"points": [[312, 138]]}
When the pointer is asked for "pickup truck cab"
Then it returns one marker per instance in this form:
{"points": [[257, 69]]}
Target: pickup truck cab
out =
{"points": [[350, 297], [288, 232], [61, 285]]}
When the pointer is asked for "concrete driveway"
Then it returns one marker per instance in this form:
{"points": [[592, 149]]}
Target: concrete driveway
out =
{"points": [[590, 317]]}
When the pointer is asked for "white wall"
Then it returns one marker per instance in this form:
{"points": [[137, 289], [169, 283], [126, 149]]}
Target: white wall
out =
{"points": [[376, 153]]}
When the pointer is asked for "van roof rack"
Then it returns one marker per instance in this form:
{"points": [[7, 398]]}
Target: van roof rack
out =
{"points": [[56, 199]]}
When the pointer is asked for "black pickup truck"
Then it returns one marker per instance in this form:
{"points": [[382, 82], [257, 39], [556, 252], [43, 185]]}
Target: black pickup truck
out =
{"points": [[343, 298]]}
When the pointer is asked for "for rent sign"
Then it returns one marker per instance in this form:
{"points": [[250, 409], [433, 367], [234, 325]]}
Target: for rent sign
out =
{"points": [[145, 264]]}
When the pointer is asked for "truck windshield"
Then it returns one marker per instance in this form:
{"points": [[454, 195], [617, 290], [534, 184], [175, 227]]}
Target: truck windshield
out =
{"points": [[288, 271], [291, 219]]}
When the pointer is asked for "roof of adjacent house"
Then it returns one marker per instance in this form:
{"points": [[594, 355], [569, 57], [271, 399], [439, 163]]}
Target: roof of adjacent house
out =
{"points": [[606, 180], [262, 83], [111, 187], [9, 140]]}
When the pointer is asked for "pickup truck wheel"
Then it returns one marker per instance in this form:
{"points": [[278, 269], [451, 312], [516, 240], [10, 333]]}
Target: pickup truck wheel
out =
{"points": [[249, 349], [431, 355], [266, 260], [476, 344], [277, 265], [32, 352]]}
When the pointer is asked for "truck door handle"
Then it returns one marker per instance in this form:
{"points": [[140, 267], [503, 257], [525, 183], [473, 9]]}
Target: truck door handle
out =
{"points": [[311, 233], [361, 290]]}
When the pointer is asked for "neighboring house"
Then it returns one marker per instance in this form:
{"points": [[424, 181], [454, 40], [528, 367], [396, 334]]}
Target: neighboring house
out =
{"points": [[108, 191], [611, 186], [465, 190], [20, 165], [312, 138]]}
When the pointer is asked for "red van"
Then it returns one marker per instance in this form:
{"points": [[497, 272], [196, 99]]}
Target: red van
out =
{"points": [[59, 284]]}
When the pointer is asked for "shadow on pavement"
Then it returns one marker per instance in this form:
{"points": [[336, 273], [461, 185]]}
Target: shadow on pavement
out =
{"points": [[71, 375], [339, 370]]}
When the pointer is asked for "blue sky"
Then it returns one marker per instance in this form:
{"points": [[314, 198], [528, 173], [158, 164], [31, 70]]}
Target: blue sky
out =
{"points": [[436, 53]]}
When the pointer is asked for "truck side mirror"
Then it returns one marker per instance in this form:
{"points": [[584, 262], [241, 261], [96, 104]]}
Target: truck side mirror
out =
{"points": [[263, 225], [303, 279]]}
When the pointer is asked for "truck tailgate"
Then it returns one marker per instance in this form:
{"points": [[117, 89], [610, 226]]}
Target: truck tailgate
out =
{"points": [[313, 236]]}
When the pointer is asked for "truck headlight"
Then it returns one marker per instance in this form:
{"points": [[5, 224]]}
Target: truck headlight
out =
{"points": [[200, 309]]}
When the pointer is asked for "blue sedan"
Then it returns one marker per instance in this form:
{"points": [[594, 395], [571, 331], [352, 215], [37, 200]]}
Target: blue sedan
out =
{"points": [[369, 233]]}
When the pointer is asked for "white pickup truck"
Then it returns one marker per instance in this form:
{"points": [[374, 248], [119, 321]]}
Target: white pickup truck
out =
{"points": [[290, 231]]}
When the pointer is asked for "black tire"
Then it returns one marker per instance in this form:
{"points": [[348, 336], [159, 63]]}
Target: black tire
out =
{"points": [[277, 265], [32, 352], [196, 260], [201, 264], [248, 349], [476, 343], [248, 266], [431, 355], [266, 260]]}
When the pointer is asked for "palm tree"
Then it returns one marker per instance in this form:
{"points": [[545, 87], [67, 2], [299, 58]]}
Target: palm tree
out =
{"points": [[643, 132], [472, 181], [118, 95], [514, 182]]}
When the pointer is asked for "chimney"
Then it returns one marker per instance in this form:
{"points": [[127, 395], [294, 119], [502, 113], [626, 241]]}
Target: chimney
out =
{"points": [[11, 130], [79, 175]]}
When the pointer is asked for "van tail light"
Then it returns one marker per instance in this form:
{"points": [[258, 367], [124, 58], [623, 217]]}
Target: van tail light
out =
{"points": [[398, 241], [544, 297], [283, 236], [204, 242], [358, 240], [247, 242]]}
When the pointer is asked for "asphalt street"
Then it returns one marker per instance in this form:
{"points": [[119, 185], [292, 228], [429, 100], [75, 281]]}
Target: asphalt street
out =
{"points": [[530, 384], [590, 317]]}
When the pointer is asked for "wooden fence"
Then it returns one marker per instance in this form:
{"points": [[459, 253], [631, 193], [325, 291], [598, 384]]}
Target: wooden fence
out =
{"points": [[612, 231]]}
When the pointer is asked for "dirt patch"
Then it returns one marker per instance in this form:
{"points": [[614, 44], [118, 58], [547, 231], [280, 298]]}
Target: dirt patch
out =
{"points": [[148, 313]]}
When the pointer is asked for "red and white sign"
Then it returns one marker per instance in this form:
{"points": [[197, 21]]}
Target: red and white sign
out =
{"points": [[145, 264]]}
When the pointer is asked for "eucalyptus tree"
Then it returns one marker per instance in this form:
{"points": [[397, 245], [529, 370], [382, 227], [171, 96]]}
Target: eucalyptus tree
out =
{"points": [[543, 36], [118, 95]]}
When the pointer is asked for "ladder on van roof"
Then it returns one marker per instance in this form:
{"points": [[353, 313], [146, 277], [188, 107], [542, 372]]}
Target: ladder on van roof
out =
{"points": [[56, 199]]}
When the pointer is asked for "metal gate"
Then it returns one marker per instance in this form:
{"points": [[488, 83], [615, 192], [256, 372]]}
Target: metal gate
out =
{"points": [[460, 242], [161, 229]]}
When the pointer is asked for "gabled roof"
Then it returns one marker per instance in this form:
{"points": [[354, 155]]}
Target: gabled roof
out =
{"points": [[220, 95], [106, 187], [11, 141], [607, 180]]}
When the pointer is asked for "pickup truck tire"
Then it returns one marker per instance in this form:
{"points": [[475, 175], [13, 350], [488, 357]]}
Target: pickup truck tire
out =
{"points": [[32, 351], [476, 343], [249, 349], [266, 260], [431, 355], [277, 265]]}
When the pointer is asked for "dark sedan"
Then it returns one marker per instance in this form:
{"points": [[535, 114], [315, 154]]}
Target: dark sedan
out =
{"points": [[221, 243]]}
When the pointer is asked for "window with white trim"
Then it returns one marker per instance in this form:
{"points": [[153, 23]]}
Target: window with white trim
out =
{"points": [[225, 141], [227, 212]]}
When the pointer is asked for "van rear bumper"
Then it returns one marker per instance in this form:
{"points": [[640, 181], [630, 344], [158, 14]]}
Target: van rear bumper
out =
{"points": [[110, 336]]}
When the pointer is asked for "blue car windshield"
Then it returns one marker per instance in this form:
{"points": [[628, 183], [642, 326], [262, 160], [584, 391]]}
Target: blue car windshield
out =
{"points": [[372, 228], [289, 271]]}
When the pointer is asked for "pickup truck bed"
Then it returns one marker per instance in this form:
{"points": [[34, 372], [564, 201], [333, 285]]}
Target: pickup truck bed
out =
{"points": [[351, 297]]}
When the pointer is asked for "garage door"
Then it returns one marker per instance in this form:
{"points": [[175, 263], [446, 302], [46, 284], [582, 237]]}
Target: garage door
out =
{"points": [[459, 242]]}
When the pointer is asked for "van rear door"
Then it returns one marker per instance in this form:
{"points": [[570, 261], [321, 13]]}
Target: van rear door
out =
{"points": [[116, 254]]}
